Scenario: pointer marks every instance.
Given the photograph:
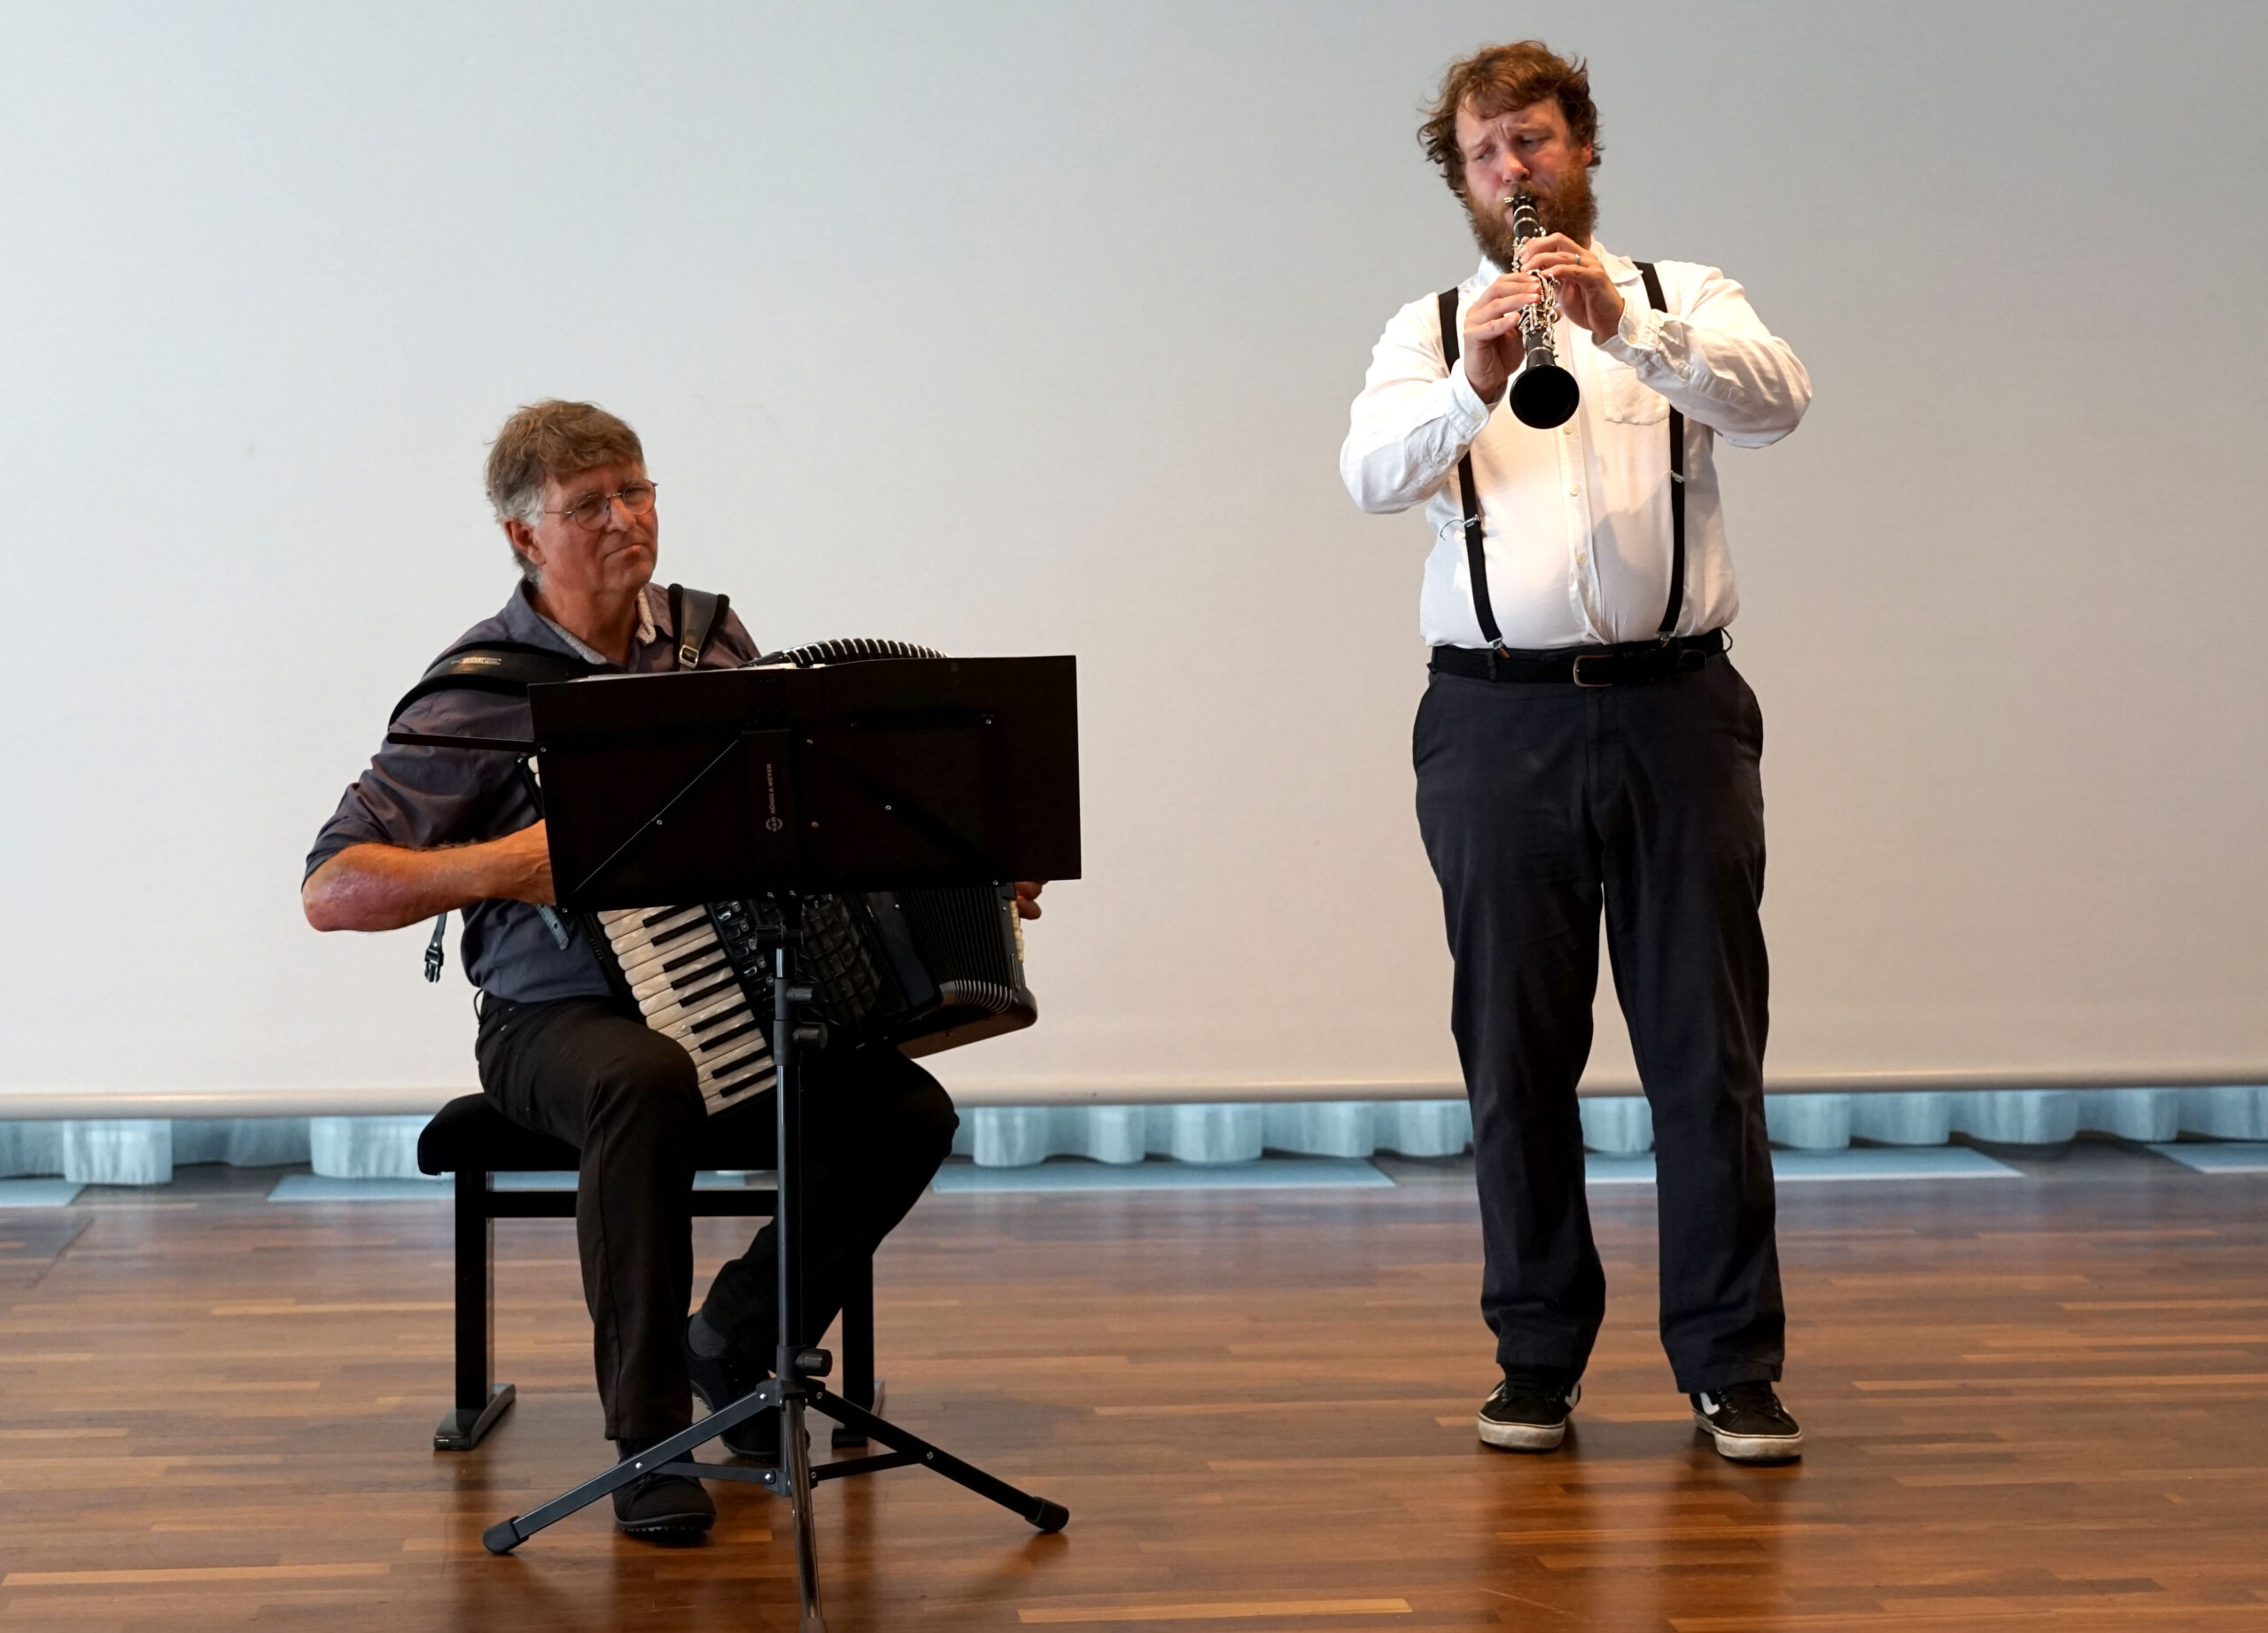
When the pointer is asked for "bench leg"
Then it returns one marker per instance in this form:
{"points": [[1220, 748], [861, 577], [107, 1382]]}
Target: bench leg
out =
{"points": [[858, 1385], [479, 1401]]}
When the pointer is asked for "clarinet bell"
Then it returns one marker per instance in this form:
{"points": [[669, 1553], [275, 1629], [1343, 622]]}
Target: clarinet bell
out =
{"points": [[1544, 395]]}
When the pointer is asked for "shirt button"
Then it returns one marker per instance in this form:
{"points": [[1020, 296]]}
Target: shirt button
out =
{"points": [[1573, 491], [1582, 559]]}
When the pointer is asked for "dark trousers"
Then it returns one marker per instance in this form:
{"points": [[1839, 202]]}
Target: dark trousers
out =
{"points": [[588, 1072], [1540, 802]]}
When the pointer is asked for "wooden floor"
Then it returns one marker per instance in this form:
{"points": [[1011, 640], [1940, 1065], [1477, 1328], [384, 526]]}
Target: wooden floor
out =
{"points": [[2030, 1403]]}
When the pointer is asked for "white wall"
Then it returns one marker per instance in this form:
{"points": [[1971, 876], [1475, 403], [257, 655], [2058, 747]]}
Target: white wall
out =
{"points": [[1030, 329]]}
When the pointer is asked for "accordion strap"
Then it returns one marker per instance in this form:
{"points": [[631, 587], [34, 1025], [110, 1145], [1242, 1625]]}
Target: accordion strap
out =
{"points": [[509, 667], [506, 667], [695, 615]]}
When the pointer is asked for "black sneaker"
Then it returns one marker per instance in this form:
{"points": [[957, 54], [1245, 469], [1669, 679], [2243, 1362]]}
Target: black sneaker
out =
{"points": [[661, 1506], [721, 1379], [1748, 1423], [1528, 1411]]}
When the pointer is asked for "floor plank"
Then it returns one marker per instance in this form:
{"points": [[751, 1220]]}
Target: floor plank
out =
{"points": [[2032, 1403]]}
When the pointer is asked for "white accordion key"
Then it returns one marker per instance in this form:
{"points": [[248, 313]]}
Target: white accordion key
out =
{"points": [[690, 941], [677, 1020], [644, 963], [752, 1063], [719, 1035], [662, 983], [672, 967], [723, 1091], [631, 923], [632, 941], [713, 982]]}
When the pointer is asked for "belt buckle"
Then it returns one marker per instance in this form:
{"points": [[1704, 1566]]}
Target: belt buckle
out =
{"points": [[1576, 673]]}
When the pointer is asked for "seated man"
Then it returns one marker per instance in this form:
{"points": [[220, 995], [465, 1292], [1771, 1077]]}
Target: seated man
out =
{"points": [[428, 830]]}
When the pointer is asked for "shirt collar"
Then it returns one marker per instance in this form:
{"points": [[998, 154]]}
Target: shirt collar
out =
{"points": [[651, 619]]}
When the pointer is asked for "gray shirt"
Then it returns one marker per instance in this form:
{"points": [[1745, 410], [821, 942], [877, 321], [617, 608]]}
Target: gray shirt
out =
{"points": [[420, 798]]}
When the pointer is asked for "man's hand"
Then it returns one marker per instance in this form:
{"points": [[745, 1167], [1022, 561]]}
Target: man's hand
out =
{"points": [[1028, 898], [1586, 293], [1493, 352], [520, 866], [372, 887]]}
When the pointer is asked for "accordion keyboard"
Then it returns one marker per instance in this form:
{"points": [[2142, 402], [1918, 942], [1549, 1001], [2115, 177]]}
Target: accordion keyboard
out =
{"points": [[698, 978]]}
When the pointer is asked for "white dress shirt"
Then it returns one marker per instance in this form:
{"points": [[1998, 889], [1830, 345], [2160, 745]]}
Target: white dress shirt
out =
{"points": [[1577, 520]]}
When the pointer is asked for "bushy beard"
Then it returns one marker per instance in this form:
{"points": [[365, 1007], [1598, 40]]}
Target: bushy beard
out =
{"points": [[1571, 208]]}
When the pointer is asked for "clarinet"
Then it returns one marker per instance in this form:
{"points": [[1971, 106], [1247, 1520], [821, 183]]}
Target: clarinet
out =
{"points": [[1543, 393]]}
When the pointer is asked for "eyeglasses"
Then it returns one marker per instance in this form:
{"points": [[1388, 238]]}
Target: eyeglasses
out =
{"points": [[590, 511]]}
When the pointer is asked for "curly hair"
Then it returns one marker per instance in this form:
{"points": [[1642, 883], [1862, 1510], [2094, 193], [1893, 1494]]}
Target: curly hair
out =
{"points": [[1497, 80]]}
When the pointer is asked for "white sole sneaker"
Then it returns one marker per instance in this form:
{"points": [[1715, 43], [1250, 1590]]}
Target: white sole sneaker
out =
{"points": [[1525, 1436], [1522, 1436], [1753, 1448]]}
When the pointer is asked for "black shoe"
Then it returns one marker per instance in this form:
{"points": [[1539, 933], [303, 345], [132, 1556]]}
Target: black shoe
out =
{"points": [[661, 1506], [721, 1379], [1748, 1423], [1528, 1411]]}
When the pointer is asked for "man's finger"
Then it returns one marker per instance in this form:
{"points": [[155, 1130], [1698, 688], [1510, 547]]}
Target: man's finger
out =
{"points": [[1489, 311], [1558, 265]]}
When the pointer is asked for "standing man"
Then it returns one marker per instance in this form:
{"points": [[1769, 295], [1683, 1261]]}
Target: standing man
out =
{"points": [[1584, 742]]}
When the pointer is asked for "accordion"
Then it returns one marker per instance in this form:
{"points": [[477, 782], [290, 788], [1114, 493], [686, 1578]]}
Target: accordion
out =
{"points": [[925, 971]]}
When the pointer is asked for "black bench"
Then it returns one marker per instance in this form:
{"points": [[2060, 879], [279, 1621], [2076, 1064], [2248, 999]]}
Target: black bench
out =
{"points": [[469, 1138]]}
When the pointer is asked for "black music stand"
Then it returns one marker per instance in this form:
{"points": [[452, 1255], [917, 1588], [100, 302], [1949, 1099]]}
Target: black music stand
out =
{"points": [[784, 783]]}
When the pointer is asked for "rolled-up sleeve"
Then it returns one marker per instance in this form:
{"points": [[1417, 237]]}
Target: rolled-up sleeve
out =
{"points": [[1414, 417], [1714, 360], [419, 797]]}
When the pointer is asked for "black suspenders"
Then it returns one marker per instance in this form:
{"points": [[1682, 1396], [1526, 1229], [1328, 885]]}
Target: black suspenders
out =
{"points": [[1676, 481], [1469, 492]]}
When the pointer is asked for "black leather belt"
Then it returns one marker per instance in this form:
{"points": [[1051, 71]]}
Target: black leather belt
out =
{"points": [[1639, 662]]}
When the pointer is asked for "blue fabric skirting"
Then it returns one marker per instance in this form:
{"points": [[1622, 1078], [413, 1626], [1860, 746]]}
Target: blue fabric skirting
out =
{"points": [[146, 1151]]}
